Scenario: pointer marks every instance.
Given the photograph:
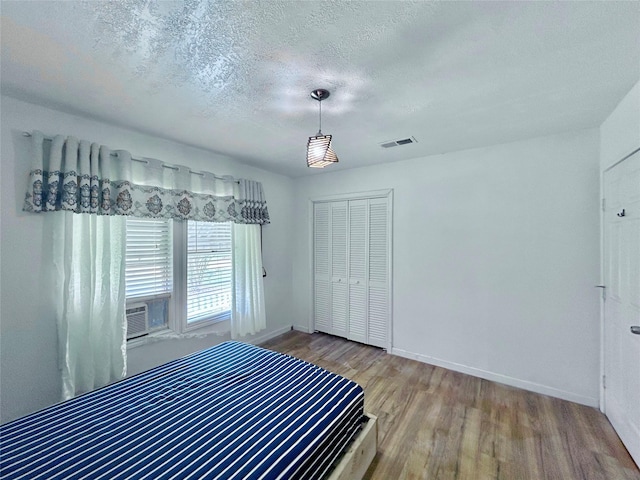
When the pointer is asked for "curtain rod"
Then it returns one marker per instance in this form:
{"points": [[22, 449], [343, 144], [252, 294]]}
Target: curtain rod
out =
{"points": [[141, 160]]}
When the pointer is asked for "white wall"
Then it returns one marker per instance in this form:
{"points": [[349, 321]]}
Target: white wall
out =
{"points": [[495, 255], [29, 378], [620, 132]]}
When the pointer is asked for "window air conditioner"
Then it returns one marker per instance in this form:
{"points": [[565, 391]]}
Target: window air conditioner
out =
{"points": [[137, 320]]}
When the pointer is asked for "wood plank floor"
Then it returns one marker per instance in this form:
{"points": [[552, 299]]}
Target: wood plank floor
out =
{"points": [[439, 424]]}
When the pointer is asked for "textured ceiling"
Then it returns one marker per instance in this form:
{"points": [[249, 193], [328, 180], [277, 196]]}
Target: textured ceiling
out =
{"points": [[234, 77]]}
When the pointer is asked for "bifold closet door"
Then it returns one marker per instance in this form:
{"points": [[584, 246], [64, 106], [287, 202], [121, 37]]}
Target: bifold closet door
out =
{"points": [[338, 269], [321, 278], [357, 263], [351, 295], [378, 275]]}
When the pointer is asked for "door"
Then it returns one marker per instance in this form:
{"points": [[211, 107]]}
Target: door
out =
{"points": [[378, 320], [358, 251], [339, 279], [321, 274], [622, 301], [352, 267]]}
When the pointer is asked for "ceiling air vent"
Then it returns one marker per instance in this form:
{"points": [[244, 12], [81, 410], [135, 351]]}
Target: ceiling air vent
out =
{"points": [[402, 141]]}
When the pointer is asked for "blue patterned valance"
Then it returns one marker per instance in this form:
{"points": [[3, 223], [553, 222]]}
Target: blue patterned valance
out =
{"points": [[85, 177]]}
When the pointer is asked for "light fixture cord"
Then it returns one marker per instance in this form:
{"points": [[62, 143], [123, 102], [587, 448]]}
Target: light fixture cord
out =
{"points": [[320, 118]]}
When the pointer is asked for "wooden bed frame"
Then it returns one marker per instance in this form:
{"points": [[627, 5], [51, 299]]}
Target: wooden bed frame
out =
{"points": [[356, 460]]}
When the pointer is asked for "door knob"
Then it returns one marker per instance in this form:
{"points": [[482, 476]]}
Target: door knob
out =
{"points": [[635, 329]]}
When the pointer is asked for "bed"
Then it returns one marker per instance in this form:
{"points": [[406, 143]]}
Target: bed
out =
{"points": [[233, 411]]}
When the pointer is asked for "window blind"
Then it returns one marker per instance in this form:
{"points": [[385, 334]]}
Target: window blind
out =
{"points": [[149, 261], [209, 268]]}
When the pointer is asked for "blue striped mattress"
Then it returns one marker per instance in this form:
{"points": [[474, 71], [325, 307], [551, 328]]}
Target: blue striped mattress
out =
{"points": [[233, 411]]}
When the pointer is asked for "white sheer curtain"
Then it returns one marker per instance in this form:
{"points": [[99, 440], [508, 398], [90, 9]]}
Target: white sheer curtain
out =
{"points": [[248, 309], [71, 181], [88, 285]]}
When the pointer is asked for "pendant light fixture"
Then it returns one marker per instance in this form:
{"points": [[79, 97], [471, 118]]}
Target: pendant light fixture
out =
{"points": [[319, 152]]}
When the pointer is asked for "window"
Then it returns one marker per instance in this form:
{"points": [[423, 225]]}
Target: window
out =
{"points": [[167, 261], [149, 269], [148, 276], [208, 271]]}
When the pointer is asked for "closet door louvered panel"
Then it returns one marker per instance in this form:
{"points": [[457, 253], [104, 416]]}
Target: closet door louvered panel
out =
{"points": [[339, 295], [357, 261], [378, 315], [358, 313], [322, 306], [338, 240], [322, 279], [339, 279]]}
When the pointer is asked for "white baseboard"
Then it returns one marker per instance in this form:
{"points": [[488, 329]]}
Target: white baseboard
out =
{"points": [[268, 336], [302, 328], [497, 377]]}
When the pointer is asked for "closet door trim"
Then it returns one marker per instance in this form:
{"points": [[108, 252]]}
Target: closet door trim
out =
{"points": [[353, 196], [386, 193]]}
